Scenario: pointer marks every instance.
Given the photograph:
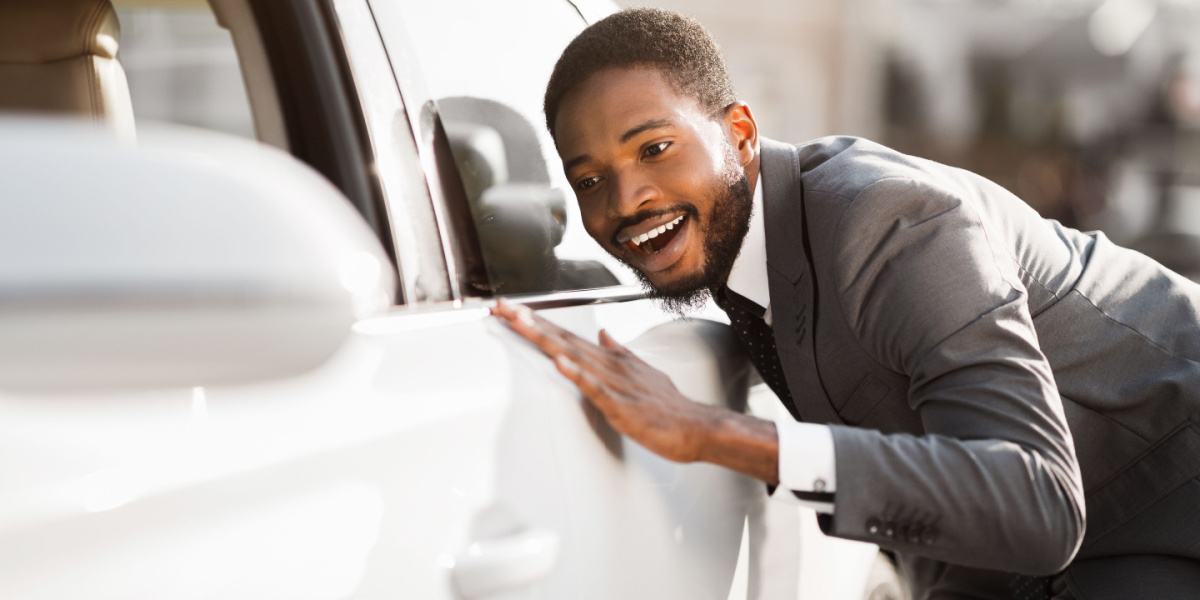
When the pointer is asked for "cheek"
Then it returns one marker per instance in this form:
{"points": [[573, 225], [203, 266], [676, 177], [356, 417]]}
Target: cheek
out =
{"points": [[691, 180]]}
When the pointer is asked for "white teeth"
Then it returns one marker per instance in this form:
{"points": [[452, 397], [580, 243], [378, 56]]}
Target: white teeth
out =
{"points": [[653, 233]]}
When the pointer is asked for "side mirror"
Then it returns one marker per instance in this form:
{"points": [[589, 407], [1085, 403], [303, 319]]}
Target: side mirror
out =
{"points": [[190, 258]]}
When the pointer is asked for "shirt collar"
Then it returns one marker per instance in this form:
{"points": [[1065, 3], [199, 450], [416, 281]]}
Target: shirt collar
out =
{"points": [[748, 276]]}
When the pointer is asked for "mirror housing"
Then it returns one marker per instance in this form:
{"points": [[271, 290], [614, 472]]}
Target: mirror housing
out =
{"points": [[189, 258]]}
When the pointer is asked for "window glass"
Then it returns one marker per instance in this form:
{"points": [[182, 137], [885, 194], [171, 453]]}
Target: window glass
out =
{"points": [[182, 68], [486, 64]]}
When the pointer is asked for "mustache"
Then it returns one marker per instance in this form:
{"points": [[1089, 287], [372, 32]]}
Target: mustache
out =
{"points": [[646, 215]]}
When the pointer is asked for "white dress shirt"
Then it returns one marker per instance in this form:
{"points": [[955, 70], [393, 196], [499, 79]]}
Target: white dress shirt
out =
{"points": [[806, 461]]}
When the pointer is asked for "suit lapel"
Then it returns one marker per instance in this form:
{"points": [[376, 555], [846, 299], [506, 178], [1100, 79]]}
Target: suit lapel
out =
{"points": [[793, 306]]}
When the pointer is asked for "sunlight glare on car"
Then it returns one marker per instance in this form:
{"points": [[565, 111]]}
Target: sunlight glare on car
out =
{"points": [[360, 274]]}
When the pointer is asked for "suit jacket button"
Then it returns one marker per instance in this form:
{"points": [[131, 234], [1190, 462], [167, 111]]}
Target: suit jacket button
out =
{"points": [[929, 536], [914, 535], [873, 526], [889, 530]]}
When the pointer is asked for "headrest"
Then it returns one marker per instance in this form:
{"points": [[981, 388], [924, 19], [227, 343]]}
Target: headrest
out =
{"points": [[42, 31]]}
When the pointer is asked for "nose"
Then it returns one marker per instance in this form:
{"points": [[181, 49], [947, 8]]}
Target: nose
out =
{"points": [[629, 194]]}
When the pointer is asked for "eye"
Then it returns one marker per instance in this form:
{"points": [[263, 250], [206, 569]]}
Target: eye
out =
{"points": [[655, 149], [586, 183]]}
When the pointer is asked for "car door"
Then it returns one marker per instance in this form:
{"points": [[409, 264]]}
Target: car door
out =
{"points": [[416, 462], [471, 75], [435, 455]]}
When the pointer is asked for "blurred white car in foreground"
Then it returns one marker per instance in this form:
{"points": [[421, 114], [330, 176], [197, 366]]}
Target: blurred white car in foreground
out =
{"points": [[265, 369]]}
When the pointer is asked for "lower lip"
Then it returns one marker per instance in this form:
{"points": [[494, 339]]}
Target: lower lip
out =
{"points": [[652, 263]]}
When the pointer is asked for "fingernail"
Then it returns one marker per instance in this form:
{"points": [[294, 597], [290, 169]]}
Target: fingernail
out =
{"points": [[525, 315], [567, 364]]}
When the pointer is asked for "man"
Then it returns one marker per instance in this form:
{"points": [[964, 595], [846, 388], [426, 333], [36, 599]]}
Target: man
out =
{"points": [[975, 383]]}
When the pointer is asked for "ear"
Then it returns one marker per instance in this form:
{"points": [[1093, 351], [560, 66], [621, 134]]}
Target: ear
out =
{"points": [[743, 131]]}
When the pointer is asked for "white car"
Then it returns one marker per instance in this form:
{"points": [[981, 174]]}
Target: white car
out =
{"points": [[235, 368]]}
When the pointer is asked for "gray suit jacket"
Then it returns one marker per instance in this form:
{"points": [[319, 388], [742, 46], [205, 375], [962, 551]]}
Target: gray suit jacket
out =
{"points": [[995, 381]]}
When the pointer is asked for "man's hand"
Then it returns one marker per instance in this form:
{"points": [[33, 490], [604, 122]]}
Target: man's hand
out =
{"points": [[642, 403], [635, 398]]}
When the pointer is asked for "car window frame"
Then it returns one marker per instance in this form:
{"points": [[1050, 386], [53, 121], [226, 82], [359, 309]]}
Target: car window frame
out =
{"points": [[423, 259], [463, 255], [323, 119]]}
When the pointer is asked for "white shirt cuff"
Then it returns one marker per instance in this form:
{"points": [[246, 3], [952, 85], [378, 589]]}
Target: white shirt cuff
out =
{"points": [[806, 462]]}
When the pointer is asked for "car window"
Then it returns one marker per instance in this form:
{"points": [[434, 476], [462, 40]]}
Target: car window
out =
{"points": [[486, 65], [182, 68]]}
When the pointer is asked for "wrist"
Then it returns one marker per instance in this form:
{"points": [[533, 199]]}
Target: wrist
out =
{"points": [[740, 442], [704, 433]]}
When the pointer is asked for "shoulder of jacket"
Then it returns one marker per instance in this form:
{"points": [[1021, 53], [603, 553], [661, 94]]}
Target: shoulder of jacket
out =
{"points": [[848, 167]]}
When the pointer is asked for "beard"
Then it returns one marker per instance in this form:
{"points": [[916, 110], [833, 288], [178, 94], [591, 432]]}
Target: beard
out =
{"points": [[723, 234]]}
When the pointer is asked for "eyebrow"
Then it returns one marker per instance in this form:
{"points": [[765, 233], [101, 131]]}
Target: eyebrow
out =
{"points": [[647, 126], [625, 137], [578, 160]]}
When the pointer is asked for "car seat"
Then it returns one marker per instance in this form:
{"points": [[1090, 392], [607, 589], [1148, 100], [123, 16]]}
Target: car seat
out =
{"points": [[59, 57]]}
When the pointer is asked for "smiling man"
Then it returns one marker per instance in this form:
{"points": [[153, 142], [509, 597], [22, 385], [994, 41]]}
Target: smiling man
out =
{"points": [[1010, 406]]}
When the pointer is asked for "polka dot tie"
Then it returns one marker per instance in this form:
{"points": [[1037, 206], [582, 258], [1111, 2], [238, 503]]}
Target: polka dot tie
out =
{"points": [[756, 336], [1025, 587]]}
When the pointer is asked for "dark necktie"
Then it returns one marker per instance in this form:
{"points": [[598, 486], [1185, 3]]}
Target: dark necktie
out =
{"points": [[756, 336], [1026, 587]]}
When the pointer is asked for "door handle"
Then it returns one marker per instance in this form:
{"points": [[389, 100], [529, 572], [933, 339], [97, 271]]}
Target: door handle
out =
{"points": [[506, 563]]}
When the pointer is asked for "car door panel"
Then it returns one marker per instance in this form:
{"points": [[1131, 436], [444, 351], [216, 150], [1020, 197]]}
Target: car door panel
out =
{"points": [[654, 528], [364, 478], [640, 526]]}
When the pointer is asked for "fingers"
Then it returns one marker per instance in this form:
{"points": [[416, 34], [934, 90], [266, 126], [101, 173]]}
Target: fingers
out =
{"points": [[591, 386], [599, 371], [607, 341], [524, 320], [550, 338], [547, 336]]}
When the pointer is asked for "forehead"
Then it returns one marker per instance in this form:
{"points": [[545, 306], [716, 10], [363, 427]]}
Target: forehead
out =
{"points": [[609, 103]]}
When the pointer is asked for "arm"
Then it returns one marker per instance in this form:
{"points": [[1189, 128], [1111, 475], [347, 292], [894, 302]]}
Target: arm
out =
{"points": [[994, 482]]}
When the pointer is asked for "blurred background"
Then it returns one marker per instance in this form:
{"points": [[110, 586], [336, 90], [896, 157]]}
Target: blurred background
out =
{"points": [[1089, 110]]}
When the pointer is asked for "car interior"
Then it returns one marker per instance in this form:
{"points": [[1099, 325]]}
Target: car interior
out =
{"points": [[292, 78], [78, 70], [47, 68]]}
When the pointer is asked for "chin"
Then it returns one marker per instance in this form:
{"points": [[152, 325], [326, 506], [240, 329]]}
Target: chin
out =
{"points": [[675, 290], [674, 279]]}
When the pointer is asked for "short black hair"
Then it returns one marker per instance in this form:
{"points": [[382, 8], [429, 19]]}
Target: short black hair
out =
{"points": [[679, 46]]}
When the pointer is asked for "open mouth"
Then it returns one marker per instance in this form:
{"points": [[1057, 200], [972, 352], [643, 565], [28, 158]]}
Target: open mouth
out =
{"points": [[653, 241]]}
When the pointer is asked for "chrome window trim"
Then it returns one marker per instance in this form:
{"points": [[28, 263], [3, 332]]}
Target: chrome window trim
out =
{"points": [[424, 266], [402, 319], [415, 96], [607, 295]]}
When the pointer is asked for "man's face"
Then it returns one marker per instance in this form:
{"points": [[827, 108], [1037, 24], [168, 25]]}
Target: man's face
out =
{"points": [[646, 161]]}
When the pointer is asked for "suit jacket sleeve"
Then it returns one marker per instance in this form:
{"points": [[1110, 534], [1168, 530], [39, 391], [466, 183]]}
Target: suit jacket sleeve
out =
{"points": [[930, 292]]}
